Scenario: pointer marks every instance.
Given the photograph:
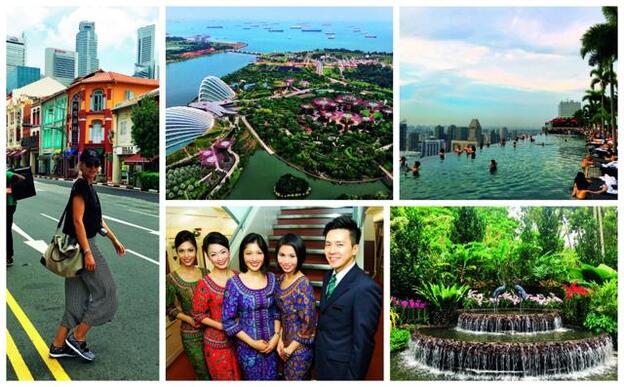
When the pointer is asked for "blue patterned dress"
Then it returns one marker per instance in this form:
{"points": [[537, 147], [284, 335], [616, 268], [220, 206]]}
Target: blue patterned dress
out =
{"points": [[254, 312], [297, 309]]}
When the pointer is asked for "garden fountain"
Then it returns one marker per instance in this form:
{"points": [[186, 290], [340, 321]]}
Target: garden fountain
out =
{"points": [[510, 344]]}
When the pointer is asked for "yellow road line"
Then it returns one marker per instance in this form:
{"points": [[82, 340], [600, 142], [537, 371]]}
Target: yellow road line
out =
{"points": [[17, 361], [53, 365]]}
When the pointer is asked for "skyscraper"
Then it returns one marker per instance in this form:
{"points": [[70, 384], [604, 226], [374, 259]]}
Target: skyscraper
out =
{"points": [[86, 47], [16, 52], [474, 130], [60, 65], [568, 108], [403, 136], [145, 65], [21, 76]]}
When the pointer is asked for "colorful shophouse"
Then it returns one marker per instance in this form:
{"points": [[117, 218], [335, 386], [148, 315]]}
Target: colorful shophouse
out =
{"points": [[90, 119]]}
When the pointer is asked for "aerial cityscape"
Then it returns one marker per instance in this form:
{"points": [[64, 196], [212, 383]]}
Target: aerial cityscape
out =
{"points": [[516, 114], [275, 105]]}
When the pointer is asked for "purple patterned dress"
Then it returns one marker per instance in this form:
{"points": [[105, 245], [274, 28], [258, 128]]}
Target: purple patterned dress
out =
{"points": [[297, 309], [254, 312]]}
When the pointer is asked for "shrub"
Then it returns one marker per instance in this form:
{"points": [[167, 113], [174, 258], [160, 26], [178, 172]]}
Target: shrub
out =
{"points": [[399, 339], [148, 180]]}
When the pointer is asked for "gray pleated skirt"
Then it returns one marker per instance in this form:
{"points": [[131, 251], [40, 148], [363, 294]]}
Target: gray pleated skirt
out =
{"points": [[91, 297]]}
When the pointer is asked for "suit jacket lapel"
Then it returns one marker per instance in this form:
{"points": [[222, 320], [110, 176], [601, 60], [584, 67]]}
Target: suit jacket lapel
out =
{"points": [[342, 286], [326, 278]]}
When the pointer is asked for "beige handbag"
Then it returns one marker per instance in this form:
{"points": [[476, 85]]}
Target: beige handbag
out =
{"points": [[63, 256]]}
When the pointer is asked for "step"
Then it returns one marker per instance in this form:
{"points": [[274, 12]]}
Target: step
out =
{"points": [[292, 210], [307, 266], [301, 230], [311, 242], [307, 218], [313, 256]]}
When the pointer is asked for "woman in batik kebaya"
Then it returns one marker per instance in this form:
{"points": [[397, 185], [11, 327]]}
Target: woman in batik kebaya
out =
{"points": [[297, 308], [207, 302], [180, 287], [250, 313]]}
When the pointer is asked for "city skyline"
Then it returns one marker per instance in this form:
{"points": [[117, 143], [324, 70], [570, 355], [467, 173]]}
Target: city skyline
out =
{"points": [[56, 27], [508, 66]]}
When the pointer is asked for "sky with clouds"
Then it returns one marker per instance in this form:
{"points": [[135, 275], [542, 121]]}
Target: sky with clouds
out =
{"points": [[56, 27], [505, 66]]}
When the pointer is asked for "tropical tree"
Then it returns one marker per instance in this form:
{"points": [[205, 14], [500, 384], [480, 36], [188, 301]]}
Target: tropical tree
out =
{"points": [[599, 44]]}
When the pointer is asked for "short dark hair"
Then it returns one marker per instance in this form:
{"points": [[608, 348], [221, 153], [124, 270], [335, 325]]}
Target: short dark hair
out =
{"points": [[259, 240], [296, 242], [347, 223], [214, 238]]}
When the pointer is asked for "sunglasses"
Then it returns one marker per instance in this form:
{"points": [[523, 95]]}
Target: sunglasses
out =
{"points": [[91, 164]]}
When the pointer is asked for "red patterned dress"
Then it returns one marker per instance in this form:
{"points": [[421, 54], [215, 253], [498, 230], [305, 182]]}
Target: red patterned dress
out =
{"points": [[219, 349]]}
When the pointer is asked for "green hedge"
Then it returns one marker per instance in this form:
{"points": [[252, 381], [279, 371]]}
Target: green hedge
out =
{"points": [[148, 180], [399, 339]]}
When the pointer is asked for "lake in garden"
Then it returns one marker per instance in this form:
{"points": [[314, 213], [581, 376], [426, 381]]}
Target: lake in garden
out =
{"points": [[263, 170]]}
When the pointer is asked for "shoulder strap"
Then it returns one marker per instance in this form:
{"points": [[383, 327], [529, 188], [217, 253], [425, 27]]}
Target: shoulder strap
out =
{"points": [[60, 222]]}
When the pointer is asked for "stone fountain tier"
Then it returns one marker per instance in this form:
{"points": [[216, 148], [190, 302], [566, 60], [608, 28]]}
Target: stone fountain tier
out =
{"points": [[558, 353], [509, 321]]}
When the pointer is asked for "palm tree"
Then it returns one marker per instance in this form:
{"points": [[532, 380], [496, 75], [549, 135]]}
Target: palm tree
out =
{"points": [[599, 43], [592, 107]]}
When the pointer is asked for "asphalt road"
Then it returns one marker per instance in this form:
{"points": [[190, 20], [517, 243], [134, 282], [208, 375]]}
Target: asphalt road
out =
{"points": [[127, 348]]}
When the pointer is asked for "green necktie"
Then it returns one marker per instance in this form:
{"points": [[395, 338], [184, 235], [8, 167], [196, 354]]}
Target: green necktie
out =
{"points": [[331, 286]]}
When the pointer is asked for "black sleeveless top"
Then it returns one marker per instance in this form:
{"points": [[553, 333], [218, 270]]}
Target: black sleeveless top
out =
{"points": [[92, 217]]}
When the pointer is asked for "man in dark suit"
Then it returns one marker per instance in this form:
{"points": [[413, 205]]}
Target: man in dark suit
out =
{"points": [[349, 310]]}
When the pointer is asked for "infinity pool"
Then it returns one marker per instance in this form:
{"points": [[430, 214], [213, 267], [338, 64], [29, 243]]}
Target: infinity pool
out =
{"points": [[528, 171]]}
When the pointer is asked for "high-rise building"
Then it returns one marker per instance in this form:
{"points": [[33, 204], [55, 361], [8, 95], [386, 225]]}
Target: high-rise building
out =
{"points": [[412, 141], [21, 76], [431, 147], [61, 65], [403, 136], [16, 52], [474, 130], [438, 132], [86, 47], [503, 133], [494, 137], [568, 108], [145, 66]]}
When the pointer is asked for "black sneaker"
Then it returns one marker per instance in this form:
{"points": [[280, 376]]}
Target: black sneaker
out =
{"points": [[63, 351], [79, 347], [9, 261]]}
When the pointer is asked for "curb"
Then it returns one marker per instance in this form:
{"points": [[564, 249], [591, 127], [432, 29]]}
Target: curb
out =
{"points": [[113, 185]]}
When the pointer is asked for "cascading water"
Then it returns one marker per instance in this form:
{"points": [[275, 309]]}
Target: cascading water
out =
{"points": [[510, 344], [522, 359], [509, 322]]}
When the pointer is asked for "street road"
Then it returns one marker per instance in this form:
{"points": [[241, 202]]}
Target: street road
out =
{"points": [[127, 348]]}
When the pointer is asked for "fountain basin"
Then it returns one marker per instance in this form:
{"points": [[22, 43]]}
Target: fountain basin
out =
{"points": [[510, 321], [554, 353]]}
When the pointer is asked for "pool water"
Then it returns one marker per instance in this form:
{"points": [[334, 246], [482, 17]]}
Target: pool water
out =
{"points": [[528, 171]]}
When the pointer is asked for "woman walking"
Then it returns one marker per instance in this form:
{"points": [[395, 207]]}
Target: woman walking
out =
{"points": [[90, 297], [180, 288], [297, 308], [249, 311], [207, 310]]}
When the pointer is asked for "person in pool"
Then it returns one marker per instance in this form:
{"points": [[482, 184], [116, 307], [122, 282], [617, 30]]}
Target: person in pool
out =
{"points": [[416, 168], [580, 189], [493, 166]]}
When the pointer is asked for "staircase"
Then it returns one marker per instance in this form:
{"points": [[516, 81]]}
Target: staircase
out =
{"points": [[307, 222]]}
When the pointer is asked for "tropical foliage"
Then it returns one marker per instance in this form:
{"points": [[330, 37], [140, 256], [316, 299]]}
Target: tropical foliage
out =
{"points": [[452, 257], [599, 46]]}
